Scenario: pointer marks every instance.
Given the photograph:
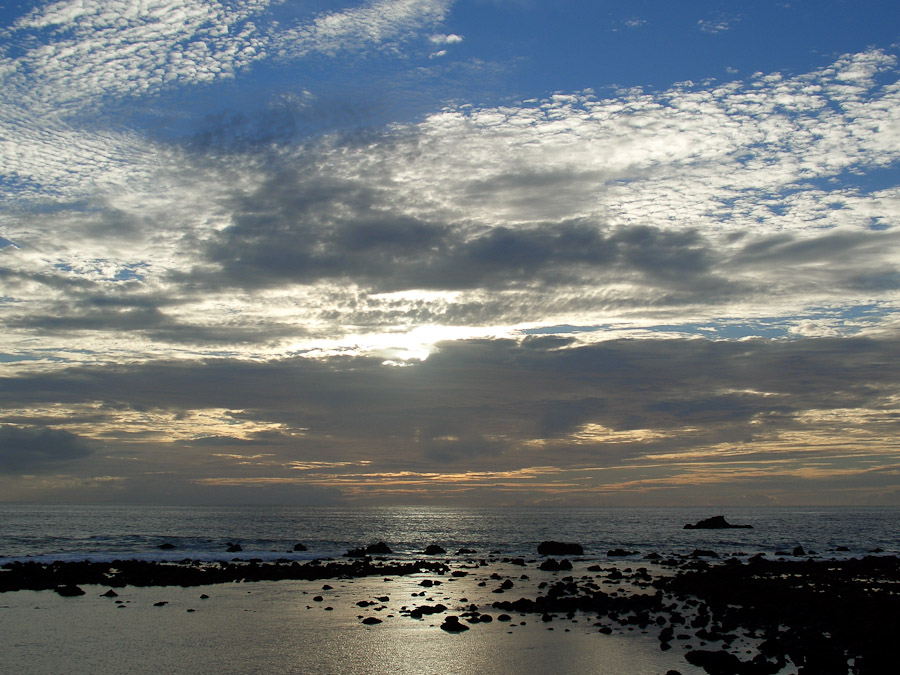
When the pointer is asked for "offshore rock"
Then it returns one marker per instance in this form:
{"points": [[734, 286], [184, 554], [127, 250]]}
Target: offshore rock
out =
{"points": [[715, 523], [378, 549], [434, 549], [559, 548]]}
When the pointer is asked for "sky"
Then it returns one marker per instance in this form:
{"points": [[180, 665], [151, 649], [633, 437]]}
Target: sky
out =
{"points": [[463, 252]]}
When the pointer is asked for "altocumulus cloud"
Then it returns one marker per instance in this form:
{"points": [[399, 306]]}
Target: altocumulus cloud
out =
{"points": [[223, 300]]}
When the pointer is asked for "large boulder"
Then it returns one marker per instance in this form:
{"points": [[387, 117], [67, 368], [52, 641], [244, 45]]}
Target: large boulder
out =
{"points": [[559, 548], [434, 549], [714, 523]]}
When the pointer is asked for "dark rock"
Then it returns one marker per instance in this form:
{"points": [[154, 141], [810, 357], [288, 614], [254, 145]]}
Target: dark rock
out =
{"points": [[166, 546], [299, 547], [559, 548], [552, 565], [69, 590], [378, 549], [704, 553], [161, 603], [234, 548], [109, 594], [798, 552], [716, 662], [356, 553], [371, 621], [715, 523], [504, 617], [465, 551], [619, 552], [452, 625], [434, 549]]}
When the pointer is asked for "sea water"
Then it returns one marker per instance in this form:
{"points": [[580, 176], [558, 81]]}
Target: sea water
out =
{"points": [[278, 627], [66, 532]]}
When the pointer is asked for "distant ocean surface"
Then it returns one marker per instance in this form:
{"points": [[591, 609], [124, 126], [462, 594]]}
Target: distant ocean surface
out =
{"points": [[100, 533]]}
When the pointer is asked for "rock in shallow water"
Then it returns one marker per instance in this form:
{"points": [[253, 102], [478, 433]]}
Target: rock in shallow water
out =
{"points": [[452, 625]]}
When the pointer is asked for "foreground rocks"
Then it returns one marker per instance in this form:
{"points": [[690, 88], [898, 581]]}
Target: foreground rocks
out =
{"points": [[753, 617], [825, 616]]}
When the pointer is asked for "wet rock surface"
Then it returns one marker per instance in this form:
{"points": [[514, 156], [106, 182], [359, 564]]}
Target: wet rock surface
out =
{"points": [[63, 576]]}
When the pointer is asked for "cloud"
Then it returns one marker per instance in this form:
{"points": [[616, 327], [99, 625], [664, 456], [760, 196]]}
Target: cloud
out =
{"points": [[718, 24], [442, 39], [685, 411], [31, 449]]}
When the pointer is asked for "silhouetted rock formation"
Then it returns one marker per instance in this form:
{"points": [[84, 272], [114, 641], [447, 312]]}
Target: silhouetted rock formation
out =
{"points": [[452, 625], [715, 523], [552, 565], [559, 548]]}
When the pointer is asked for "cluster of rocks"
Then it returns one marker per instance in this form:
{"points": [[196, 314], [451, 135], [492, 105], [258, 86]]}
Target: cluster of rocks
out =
{"points": [[64, 577]]}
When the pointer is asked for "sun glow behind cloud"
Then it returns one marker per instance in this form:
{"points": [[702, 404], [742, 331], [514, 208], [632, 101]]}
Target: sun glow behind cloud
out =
{"points": [[224, 226]]}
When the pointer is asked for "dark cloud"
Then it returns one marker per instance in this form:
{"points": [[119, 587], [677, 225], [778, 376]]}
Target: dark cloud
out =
{"points": [[301, 228], [475, 403], [27, 449]]}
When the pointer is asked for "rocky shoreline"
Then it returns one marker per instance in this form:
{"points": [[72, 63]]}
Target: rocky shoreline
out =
{"points": [[756, 616]]}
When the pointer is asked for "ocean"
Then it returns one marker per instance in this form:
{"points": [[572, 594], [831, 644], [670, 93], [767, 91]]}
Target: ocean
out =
{"points": [[314, 627], [98, 533]]}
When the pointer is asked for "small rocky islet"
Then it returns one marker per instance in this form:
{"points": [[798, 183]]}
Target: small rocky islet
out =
{"points": [[751, 616]]}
